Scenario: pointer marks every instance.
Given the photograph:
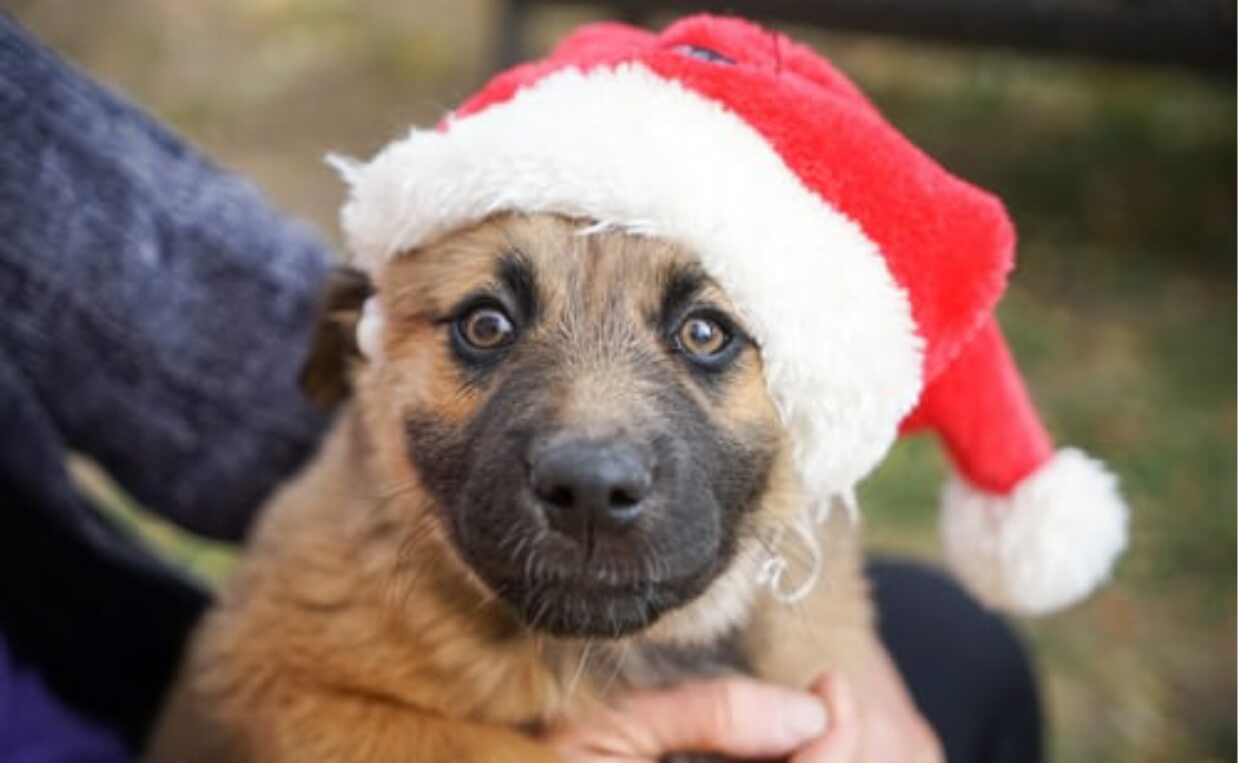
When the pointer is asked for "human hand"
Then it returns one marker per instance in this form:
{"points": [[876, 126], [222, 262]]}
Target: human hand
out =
{"points": [[877, 723], [737, 718], [890, 726], [743, 718]]}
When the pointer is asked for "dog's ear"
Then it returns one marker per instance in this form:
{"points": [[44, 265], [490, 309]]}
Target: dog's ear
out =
{"points": [[326, 375]]}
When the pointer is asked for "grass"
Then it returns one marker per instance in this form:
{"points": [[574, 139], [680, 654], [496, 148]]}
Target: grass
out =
{"points": [[1121, 314]]}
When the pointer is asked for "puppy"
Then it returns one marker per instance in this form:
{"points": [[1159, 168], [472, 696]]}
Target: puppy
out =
{"points": [[561, 480]]}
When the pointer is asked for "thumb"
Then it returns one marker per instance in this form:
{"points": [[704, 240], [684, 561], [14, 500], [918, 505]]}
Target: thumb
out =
{"points": [[739, 717], [842, 743]]}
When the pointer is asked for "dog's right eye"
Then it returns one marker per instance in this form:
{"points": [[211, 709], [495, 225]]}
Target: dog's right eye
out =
{"points": [[707, 340], [485, 327]]}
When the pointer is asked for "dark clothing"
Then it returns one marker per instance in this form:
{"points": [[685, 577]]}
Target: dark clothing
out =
{"points": [[80, 602], [154, 313], [966, 669], [36, 728]]}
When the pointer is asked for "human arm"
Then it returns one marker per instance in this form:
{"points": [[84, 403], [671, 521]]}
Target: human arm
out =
{"points": [[159, 306]]}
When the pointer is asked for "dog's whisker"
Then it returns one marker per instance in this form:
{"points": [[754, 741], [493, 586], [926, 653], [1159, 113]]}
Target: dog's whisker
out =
{"points": [[580, 668], [390, 492], [619, 656], [486, 598], [543, 605]]}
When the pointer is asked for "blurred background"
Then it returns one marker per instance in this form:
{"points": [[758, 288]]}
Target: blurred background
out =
{"points": [[1121, 178]]}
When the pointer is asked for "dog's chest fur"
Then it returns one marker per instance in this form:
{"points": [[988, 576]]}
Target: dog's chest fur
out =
{"points": [[609, 667]]}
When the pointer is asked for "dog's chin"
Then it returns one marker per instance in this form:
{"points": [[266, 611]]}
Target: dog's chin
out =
{"points": [[572, 610]]}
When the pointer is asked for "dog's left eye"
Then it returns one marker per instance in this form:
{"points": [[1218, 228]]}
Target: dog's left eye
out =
{"points": [[702, 338], [485, 327]]}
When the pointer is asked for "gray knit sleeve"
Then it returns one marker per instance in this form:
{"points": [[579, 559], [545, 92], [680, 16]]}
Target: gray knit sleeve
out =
{"points": [[159, 307]]}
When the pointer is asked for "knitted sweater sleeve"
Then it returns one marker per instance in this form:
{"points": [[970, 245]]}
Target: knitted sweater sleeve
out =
{"points": [[159, 307]]}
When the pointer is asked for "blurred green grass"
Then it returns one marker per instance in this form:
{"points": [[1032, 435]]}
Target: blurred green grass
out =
{"points": [[209, 562], [1122, 312]]}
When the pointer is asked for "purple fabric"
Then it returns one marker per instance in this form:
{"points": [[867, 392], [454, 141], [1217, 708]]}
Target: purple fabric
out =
{"points": [[36, 728]]}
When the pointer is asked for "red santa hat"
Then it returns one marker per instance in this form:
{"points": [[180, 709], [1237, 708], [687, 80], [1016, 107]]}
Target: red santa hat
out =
{"points": [[867, 273]]}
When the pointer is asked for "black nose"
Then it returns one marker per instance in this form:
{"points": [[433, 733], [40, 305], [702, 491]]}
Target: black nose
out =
{"points": [[590, 485]]}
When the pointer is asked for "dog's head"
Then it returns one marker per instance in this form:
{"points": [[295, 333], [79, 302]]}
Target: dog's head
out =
{"points": [[585, 413]]}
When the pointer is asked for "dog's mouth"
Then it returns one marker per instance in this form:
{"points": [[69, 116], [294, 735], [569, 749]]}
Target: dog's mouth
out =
{"points": [[575, 608], [610, 585], [553, 587]]}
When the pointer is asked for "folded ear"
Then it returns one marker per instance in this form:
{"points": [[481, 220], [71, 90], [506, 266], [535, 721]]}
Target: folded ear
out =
{"points": [[326, 375]]}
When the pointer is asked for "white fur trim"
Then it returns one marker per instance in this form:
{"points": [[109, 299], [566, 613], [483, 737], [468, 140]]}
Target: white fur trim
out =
{"points": [[1045, 545], [628, 148], [370, 330]]}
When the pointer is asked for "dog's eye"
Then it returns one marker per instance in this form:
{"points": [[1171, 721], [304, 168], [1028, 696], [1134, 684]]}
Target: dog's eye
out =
{"points": [[702, 337], [486, 328]]}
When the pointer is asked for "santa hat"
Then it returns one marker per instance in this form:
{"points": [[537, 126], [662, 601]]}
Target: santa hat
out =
{"points": [[866, 272]]}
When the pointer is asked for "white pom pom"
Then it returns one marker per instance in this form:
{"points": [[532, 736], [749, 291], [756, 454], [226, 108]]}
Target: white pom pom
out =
{"points": [[1045, 545]]}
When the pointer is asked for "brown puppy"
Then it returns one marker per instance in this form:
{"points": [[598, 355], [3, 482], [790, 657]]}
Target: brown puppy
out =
{"points": [[560, 480]]}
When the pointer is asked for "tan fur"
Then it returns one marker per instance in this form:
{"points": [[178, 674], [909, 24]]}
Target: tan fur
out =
{"points": [[354, 632]]}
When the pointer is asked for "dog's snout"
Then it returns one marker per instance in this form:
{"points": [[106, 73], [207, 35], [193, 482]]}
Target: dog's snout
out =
{"points": [[590, 485]]}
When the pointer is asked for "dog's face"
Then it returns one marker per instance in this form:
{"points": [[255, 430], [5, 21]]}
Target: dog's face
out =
{"points": [[585, 412]]}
